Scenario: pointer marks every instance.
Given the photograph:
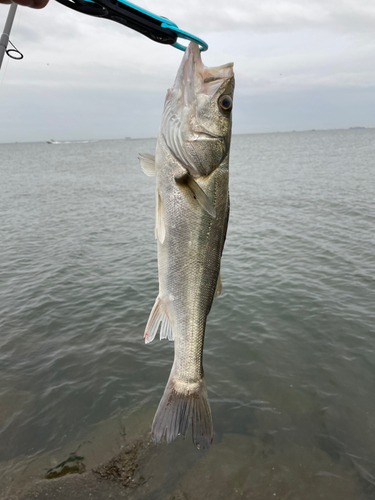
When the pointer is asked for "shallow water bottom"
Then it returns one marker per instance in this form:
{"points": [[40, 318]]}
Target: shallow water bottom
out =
{"points": [[117, 459]]}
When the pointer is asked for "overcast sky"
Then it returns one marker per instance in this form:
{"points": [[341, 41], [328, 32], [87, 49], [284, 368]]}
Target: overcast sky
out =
{"points": [[299, 65]]}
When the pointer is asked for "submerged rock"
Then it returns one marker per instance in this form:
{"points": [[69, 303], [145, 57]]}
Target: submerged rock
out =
{"points": [[71, 466], [120, 477]]}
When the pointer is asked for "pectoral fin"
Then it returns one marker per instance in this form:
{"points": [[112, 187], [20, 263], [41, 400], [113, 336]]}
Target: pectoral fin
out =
{"points": [[187, 180], [159, 219], [147, 163]]}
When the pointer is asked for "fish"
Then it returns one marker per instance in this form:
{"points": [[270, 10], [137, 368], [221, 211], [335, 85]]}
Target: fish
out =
{"points": [[191, 166]]}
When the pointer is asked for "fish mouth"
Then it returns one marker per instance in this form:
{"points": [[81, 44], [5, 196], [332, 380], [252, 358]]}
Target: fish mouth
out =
{"points": [[207, 75], [194, 77], [193, 126]]}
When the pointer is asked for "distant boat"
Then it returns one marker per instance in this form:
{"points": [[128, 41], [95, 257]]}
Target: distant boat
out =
{"points": [[68, 142]]}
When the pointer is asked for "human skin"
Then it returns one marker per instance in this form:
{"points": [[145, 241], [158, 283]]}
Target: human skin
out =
{"points": [[34, 4]]}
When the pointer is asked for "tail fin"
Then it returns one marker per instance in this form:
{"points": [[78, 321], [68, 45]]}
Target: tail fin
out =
{"points": [[180, 404]]}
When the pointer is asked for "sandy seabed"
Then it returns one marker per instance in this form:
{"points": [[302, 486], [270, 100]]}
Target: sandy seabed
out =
{"points": [[118, 460]]}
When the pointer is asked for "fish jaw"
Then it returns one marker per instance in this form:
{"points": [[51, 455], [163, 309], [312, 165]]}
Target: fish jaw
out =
{"points": [[195, 127], [194, 78]]}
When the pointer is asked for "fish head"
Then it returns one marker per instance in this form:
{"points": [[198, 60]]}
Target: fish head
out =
{"points": [[197, 122]]}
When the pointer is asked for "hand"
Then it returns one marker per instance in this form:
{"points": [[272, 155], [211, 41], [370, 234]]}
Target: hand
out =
{"points": [[35, 4]]}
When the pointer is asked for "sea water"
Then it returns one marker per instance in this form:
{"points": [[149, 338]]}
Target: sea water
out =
{"points": [[289, 349]]}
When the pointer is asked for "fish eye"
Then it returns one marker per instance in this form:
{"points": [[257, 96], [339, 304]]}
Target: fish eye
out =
{"points": [[225, 102]]}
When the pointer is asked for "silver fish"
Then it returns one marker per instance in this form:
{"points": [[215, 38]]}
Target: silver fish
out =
{"points": [[191, 218]]}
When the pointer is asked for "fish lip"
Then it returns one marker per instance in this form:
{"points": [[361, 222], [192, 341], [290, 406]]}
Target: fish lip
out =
{"points": [[194, 70], [194, 52], [194, 78]]}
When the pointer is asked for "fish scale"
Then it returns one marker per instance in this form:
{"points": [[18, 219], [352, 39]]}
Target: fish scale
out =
{"points": [[191, 166]]}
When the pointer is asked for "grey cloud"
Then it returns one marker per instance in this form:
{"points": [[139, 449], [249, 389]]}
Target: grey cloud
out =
{"points": [[77, 68], [270, 15]]}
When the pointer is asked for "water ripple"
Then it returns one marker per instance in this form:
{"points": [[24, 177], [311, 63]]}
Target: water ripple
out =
{"points": [[289, 347]]}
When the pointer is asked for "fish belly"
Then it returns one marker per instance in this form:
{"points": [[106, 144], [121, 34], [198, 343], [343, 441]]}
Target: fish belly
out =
{"points": [[189, 266]]}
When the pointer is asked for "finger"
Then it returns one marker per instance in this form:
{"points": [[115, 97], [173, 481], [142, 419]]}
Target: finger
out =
{"points": [[35, 4]]}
